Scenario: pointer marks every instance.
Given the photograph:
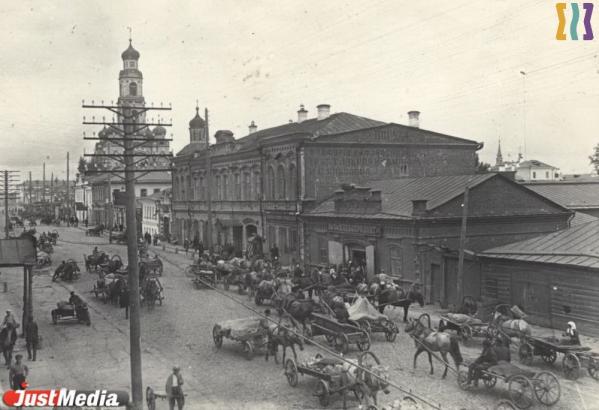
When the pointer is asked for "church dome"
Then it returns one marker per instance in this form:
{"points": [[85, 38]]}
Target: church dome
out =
{"points": [[159, 131], [197, 121], [130, 53], [103, 132]]}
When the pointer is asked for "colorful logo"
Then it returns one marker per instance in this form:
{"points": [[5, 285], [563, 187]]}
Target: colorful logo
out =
{"points": [[561, 27]]}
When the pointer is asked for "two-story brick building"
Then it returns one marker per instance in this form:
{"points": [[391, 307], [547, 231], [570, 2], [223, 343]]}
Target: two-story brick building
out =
{"points": [[264, 181]]}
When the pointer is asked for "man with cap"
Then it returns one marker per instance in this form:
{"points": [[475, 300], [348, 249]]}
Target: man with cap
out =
{"points": [[174, 389], [9, 319], [487, 358], [75, 300], [17, 373]]}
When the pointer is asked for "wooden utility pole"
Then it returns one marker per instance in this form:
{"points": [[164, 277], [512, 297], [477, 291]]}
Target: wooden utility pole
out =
{"points": [[30, 189], [44, 182], [68, 191], [208, 183], [130, 136], [8, 192], [460, 278]]}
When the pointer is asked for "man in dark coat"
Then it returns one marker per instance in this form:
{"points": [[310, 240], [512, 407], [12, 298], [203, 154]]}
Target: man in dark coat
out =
{"points": [[274, 252], [31, 338], [487, 359]]}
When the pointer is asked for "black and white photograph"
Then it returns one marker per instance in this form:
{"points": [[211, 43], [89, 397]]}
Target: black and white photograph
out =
{"points": [[263, 205]]}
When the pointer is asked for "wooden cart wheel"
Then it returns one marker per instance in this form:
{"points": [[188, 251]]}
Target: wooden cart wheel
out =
{"points": [[571, 366], [342, 343], [463, 380], [322, 391], [248, 350], [505, 405], [549, 356], [466, 333], [593, 368], [547, 388], [525, 354], [364, 343], [520, 391], [150, 398], [217, 336], [489, 381], [291, 372]]}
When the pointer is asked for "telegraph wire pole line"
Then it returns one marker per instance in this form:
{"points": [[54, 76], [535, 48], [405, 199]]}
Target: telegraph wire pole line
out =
{"points": [[130, 122], [9, 191]]}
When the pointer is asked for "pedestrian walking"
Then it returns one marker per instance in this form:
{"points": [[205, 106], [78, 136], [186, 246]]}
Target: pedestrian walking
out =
{"points": [[155, 239], [186, 245], [32, 338], [174, 389], [17, 374], [124, 300]]}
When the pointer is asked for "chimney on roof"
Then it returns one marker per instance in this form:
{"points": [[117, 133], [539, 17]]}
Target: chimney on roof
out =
{"points": [[418, 207], [302, 114], [324, 110], [253, 128], [414, 117], [223, 136]]}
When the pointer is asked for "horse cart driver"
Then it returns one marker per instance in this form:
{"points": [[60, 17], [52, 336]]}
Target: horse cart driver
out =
{"points": [[75, 299], [571, 333], [487, 359]]}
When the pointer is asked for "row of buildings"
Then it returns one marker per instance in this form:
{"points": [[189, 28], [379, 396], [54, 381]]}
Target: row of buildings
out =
{"points": [[335, 187]]}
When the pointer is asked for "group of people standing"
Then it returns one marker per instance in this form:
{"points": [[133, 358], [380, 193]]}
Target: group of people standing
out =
{"points": [[18, 371]]}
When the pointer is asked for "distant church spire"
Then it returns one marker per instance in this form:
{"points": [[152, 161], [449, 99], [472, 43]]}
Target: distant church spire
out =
{"points": [[499, 158]]}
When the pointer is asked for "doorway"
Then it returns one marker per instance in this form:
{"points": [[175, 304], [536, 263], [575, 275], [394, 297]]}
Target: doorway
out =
{"points": [[238, 239]]}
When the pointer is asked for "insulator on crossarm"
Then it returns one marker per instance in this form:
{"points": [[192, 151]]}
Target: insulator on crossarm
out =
{"points": [[82, 102], [84, 118], [102, 102], [170, 105], [92, 102], [83, 134], [93, 118], [160, 104]]}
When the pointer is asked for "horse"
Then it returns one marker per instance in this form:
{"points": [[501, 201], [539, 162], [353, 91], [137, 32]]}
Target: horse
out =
{"points": [[8, 338], [397, 297], [281, 336], [115, 289], [428, 340], [151, 291], [301, 310]]}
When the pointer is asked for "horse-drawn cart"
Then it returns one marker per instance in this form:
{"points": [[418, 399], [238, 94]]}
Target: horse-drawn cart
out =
{"points": [[95, 231], [465, 325], [152, 264], [367, 317], [202, 275], [251, 332], [151, 397], [339, 334], [64, 309], [337, 377], [522, 384], [575, 356]]}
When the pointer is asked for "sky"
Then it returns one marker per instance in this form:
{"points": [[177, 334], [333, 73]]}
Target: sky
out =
{"points": [[483, 70]]}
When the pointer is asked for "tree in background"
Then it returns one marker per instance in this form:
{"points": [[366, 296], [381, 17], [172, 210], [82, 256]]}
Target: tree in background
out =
{"points": [[595, 158], [482, 167]]}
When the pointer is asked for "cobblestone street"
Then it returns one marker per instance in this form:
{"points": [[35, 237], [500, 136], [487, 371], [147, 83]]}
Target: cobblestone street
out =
{"points": [[180, 332]]}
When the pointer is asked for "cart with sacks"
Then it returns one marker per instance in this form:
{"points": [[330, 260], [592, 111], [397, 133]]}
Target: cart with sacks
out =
{"points": [[337, 377], [364, 315], [251, 332]]}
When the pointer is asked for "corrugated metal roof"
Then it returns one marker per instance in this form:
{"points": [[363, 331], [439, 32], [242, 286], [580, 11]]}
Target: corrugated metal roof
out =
{"points": [[570, 195], [533, 163], [398, 194], [577, 245], [582, 218]]}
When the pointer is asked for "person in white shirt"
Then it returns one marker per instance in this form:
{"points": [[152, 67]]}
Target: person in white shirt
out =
{"points": [[174, 389]]}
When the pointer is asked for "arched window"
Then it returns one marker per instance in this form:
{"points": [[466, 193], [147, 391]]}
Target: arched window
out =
{"points": [[133, 89], [256, 186], [270, 183], [246, 187], [237, 187], [281, 185], [217, 188], [292, 194], [182, 188]]}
